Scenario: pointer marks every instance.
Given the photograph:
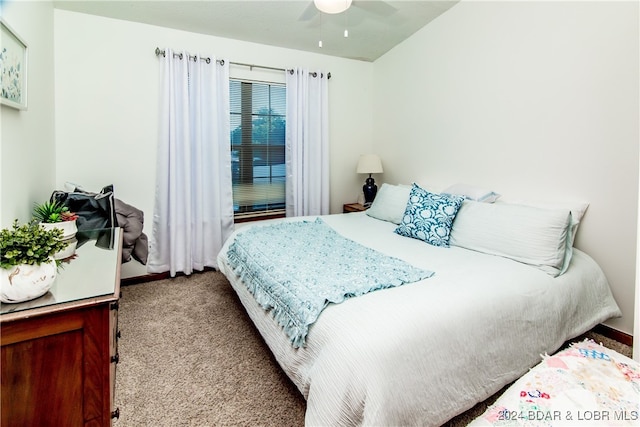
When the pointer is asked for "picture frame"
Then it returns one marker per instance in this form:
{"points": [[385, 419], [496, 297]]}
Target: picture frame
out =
{"points": [[13, 68]]}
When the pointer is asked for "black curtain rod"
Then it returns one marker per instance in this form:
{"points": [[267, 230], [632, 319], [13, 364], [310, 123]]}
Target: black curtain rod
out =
{"points": [[221, 62]]}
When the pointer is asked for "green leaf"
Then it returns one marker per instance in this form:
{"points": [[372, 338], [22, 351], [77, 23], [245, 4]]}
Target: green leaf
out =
{"points": [[29, 244]]}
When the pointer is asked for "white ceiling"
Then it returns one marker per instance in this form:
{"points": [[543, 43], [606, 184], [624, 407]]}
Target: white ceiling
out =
{"points": [[374, 26]]}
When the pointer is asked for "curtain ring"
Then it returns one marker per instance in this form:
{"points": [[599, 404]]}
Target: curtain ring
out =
{"points": [[222, 62], [208, 60], [314, 74], [180, 55]]}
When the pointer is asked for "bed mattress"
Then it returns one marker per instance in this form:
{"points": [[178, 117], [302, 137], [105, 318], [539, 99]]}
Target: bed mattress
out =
{"points": [[421, 353]]}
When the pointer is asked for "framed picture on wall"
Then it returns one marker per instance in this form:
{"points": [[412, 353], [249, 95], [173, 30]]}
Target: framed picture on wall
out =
{"points": [[13, 68]]}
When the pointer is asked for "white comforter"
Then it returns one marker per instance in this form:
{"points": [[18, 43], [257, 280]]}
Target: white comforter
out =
{"points": [[424, 352]]}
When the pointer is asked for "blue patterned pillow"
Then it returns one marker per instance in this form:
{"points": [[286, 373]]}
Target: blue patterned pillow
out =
{"points": [[429, 216]]}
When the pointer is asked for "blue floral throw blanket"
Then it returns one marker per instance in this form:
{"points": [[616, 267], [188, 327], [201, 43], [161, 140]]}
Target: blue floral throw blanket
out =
{"points": [[295, 269]]}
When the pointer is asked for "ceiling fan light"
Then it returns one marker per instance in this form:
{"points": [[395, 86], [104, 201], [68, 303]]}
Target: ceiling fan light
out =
{"points": [[332, 6]]}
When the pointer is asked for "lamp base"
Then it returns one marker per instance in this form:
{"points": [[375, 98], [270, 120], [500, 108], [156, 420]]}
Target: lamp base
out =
{"points": [[370, 189]]}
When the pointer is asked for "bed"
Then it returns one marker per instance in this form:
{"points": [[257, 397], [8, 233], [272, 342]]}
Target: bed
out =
{"points": [[425, 351]]}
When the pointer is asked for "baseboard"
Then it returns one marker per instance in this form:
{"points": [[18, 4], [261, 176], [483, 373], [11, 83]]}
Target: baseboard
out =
{"points": [[143, 279], [151, 277], [614, 334]]}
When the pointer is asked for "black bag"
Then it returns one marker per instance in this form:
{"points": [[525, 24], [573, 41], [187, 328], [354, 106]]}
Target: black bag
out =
{"points": [[94, 210]]}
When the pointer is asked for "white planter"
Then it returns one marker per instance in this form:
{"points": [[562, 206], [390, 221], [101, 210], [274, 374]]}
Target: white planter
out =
{"points": [[68, 251], [69, 228], [25, 282]]}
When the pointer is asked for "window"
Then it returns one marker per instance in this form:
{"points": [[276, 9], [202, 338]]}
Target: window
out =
{"points": [[258, 112]]}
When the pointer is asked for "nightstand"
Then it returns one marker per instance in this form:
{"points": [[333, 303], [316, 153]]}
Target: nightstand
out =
{"points": [[353, 207]]}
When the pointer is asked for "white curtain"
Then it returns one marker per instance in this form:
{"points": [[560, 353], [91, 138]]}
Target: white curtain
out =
{"points": [[307, 143], [193, 212]]}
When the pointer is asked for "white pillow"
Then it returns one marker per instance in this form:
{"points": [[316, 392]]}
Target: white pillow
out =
{"points": [[471, 192], [390, 203], [527, 234], [577, 209]]}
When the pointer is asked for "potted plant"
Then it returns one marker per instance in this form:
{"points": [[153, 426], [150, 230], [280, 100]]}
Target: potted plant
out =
{"points": [[54, 214], [27, 267]]}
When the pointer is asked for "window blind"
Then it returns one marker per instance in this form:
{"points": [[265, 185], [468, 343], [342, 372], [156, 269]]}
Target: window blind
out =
{"points": [[258, 124]]}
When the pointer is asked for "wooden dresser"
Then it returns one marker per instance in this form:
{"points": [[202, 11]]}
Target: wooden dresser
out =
{"points": [[59, 351]]}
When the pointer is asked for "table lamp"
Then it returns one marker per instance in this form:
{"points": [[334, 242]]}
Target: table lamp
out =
{"points": [[369, 163]]}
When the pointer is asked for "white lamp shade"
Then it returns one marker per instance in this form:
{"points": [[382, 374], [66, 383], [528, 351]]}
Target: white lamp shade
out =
{"points": [[369, 163], [332, 6]]}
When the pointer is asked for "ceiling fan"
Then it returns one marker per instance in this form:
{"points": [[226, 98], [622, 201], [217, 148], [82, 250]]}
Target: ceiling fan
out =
{"points": [[377, 7]]}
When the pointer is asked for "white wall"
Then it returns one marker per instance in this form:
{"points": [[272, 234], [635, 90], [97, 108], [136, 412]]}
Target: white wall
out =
{"points": [[636, 325], [107, 102], [27, 146], [535, 100]]}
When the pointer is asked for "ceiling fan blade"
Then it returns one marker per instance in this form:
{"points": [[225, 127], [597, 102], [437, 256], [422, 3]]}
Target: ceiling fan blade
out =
{"points": [[378, 7], [309, 13]]}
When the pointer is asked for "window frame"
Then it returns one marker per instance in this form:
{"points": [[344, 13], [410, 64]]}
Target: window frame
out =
{"points": [[246, 150]]}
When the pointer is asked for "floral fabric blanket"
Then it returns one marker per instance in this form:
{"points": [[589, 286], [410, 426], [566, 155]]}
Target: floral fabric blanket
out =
{"points": [[295, 269], [586, 384]]}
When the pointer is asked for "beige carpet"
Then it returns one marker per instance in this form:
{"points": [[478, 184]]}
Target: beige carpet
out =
{"points": [[189, 356]]}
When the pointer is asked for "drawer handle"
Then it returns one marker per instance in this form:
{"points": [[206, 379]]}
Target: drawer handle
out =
{"points": [[116, 413], [115, 359]]}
